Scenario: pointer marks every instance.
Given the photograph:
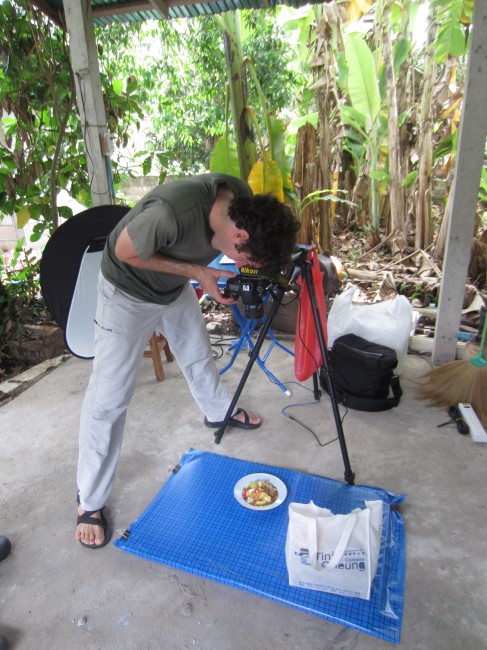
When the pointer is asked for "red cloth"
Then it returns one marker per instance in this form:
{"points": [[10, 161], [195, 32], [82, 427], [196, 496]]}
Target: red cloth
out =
{"points": [[307, 353]]}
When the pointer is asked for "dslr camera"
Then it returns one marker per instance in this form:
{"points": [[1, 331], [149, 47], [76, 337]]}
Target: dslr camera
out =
{"points": [[251, 288]]}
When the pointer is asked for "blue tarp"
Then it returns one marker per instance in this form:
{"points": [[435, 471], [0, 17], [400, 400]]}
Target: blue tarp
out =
{"points": [[195, 524]]}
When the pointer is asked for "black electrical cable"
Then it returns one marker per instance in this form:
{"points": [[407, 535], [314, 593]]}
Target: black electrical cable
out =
{"points": [[305, 426], [218, 344]]}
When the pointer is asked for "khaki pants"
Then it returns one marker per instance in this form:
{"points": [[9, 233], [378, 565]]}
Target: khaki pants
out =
{"points": [[123, 327]]}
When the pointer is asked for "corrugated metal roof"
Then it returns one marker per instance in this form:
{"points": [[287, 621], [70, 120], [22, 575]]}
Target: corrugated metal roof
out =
{"points": [[106, 12]]}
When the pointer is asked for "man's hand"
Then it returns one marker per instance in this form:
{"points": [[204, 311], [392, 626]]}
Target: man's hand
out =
{"points": [[207, 278]]}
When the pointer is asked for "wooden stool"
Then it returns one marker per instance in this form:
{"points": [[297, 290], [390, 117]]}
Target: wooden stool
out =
{"points": [[157, 343]]}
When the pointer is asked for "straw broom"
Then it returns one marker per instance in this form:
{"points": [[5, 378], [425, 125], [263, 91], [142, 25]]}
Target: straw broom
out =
{"points": [[459, 381]]}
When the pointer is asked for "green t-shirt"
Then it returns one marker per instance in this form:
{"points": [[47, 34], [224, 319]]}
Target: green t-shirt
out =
{"points": [[173, 220]]}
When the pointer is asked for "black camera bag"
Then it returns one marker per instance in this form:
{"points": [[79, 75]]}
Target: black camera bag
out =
{"points": [[363, 374]]}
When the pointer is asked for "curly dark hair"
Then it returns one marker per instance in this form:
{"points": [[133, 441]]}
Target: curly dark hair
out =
{"points": [[272, 230]]}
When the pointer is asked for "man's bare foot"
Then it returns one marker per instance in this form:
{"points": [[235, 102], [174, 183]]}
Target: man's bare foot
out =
{"points": [[240, 415], [90, 534]]}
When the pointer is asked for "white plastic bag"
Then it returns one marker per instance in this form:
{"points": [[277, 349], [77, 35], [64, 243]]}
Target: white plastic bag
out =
{"points": [[387, 322], [334, 553]]}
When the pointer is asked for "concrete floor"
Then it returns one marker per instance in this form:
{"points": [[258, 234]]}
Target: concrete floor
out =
{"points": [[56, 595]]}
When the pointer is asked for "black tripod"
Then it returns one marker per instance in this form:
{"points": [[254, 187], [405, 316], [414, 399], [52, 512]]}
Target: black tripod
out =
{"points": [[302, 265]]}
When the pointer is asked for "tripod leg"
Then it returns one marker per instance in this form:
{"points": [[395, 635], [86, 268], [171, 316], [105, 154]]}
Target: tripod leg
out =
{"points": [[349, 475], [253, 356], [316, 389]]}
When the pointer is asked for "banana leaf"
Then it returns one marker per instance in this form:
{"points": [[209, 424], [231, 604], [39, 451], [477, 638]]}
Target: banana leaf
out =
{"points": [[266, 178], [362, 79], [277, 136], [224, 157]]}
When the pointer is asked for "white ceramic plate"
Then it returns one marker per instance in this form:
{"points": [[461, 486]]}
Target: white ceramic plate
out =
{"points": [[276, 482]]}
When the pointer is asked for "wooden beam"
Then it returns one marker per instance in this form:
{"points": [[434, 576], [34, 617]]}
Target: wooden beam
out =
{"points": [[84, 61], [137, 6], [161, 7], [104, 11], [465, 189]]}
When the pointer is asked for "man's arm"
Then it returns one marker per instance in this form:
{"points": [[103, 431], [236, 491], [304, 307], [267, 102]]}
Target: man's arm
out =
{"points": [[206, 277]]}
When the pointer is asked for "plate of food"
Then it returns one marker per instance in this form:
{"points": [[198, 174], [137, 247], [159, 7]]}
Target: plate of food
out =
{"points": [[260, 491]]}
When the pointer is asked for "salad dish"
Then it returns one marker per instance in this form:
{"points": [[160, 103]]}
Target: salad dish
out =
{"points": [[260, 491]]}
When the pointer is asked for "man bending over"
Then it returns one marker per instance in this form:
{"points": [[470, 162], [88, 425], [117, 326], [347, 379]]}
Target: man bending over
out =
{"points": [[168, 238]]}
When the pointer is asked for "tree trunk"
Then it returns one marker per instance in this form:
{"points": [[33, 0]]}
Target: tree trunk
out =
{"points": [[361, 195], [325, 169], [424, 229], [395, 173], [329, 128], [439, 248], [306, 179], [404, 93]]}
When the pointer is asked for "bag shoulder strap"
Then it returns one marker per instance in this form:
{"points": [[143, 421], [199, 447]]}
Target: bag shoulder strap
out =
{"points": [[341, 546], [370, 403]]}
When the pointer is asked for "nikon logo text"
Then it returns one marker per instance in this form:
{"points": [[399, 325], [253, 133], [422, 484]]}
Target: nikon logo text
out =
{"points": [[248, 271]]}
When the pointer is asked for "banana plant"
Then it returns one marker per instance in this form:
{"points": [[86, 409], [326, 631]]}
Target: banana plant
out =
{"points": [[364, 94], [229, 23], [268, 170], [224, 157]]}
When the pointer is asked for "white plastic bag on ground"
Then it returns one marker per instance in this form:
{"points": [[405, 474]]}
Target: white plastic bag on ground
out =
{"points": [[387, 322]]}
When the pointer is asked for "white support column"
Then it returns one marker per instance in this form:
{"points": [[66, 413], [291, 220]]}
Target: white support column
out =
{"points": [[84, 59], [470, 156]]}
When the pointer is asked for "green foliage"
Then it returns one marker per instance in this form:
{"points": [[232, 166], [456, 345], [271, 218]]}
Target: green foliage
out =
{"points": [[362, 80], [410, 179], [335, 196], [178, 73], [452, 17], [186, 111], [365, 100], [446, 147], [355, 141], [260, 135], [163, 85], [483, 196], [483, 186], [274, 61], [224, 157], [36, 93], [20, 299]]}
